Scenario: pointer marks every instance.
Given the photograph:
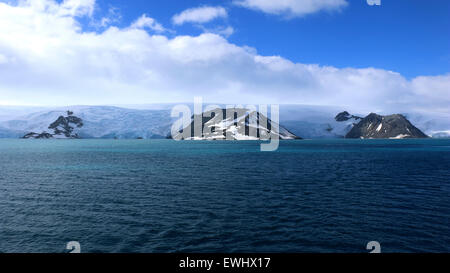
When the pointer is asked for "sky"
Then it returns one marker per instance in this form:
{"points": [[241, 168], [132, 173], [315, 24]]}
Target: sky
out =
{"points": [[393, 56]]}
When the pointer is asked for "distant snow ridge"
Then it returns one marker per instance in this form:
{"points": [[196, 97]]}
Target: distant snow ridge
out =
{"points": [[436, 125], [99, 122], [242, 125]]}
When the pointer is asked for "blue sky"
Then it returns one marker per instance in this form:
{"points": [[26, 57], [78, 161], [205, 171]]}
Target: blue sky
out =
{"points": [[408, 36], [391, 58]]}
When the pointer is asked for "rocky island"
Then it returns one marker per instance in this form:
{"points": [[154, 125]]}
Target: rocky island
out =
{"points": [[387, 127], [241, 125], [63, 128]]}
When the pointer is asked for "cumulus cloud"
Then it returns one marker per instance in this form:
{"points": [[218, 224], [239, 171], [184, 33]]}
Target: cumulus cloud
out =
{"points": [[47, 59], [436, 89], [292, 8], [199, 15]]}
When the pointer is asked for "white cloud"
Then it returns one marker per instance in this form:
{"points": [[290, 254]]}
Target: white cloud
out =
{"points": [[74, 8], [223, 31], [227, 31], [436, 89], [51, 61], [147, 22], [292, 8], [77, 7], [199, 15]]}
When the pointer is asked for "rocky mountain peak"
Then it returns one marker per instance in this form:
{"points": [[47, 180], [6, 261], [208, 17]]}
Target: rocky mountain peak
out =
{"points": [[243, 124], [392, 126], [66, 125]]}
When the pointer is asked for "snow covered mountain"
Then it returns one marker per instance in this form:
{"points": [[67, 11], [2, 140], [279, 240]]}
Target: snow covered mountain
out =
{"points": [[233, 124], [154, 121], [314, 122]]}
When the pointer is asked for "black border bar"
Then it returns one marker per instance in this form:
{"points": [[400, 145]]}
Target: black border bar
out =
{"points": [[223, 262]]}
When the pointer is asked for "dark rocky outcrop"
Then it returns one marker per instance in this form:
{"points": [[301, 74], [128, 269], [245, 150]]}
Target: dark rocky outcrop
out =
{"points": [[66, 125], [344, 116], [43, 135], [63, 127], [377, 126]]}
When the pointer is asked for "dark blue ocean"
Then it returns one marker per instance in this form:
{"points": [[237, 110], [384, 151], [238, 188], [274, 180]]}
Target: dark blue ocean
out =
{"points": [[167, 196]]}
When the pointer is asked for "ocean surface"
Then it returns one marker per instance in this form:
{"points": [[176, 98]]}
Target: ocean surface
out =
{"points": [[166, 196]]}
